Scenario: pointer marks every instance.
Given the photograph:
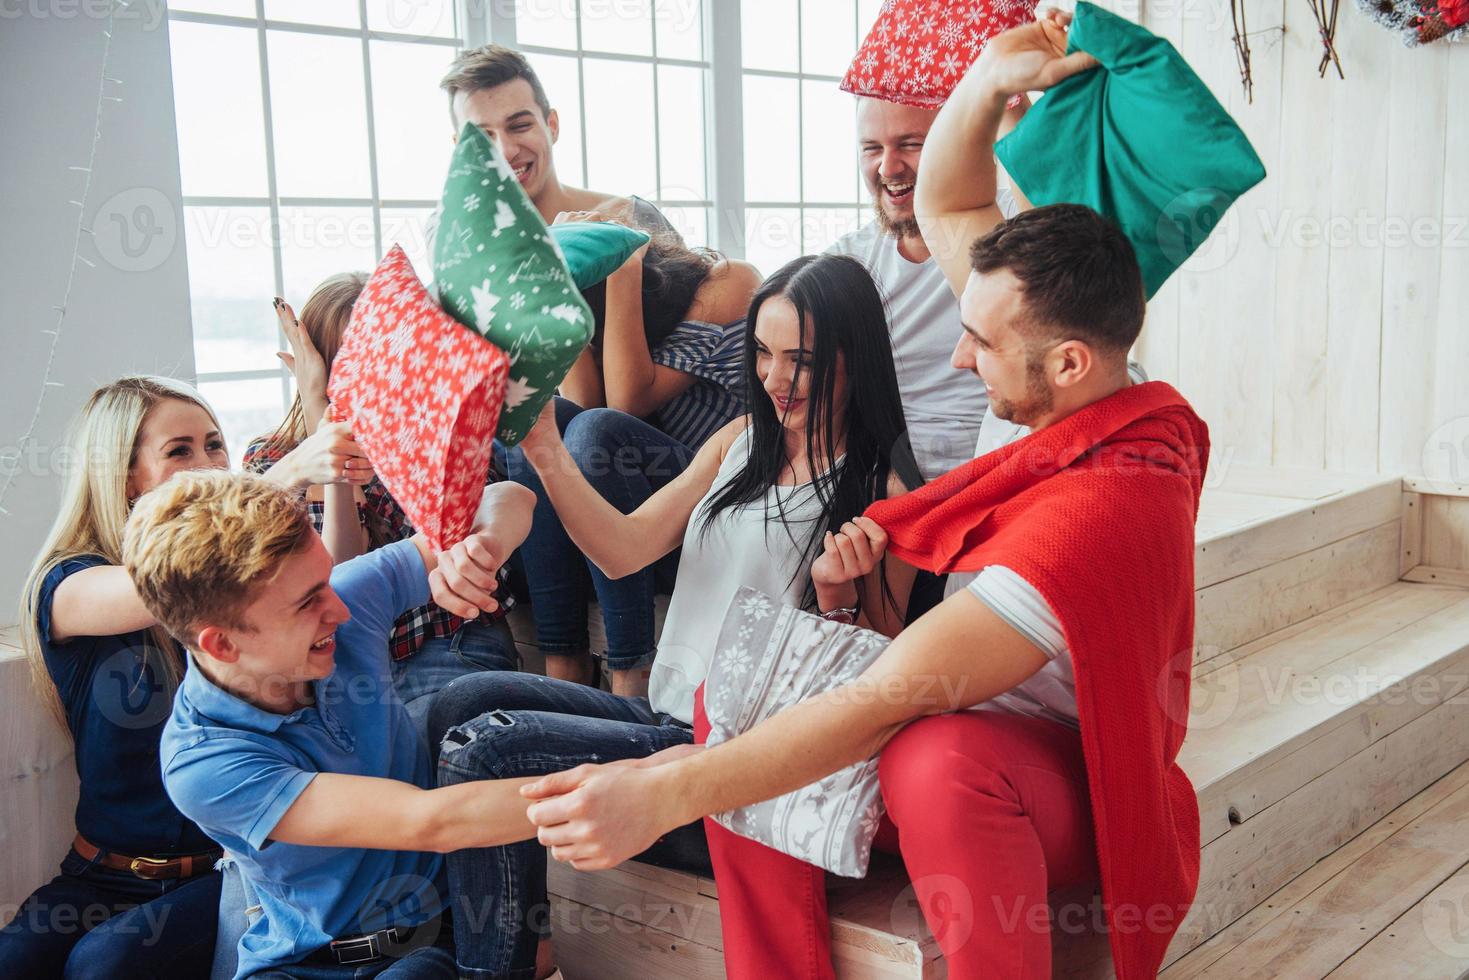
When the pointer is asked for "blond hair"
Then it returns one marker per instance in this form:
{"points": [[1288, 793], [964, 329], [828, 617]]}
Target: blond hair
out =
{"points": [[325, 317], [103, 446], [199, 547]]}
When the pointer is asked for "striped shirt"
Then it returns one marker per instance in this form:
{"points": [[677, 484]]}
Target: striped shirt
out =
{"points": [[715, 356]]}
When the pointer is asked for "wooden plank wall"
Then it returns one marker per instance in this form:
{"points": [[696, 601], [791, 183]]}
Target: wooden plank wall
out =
{"points": [[1325, 324]]}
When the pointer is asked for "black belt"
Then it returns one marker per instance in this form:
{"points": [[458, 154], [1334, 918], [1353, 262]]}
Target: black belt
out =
{"points": [[372, 946]]}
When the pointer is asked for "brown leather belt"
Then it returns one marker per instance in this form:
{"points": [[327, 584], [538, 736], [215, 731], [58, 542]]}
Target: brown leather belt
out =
{"points": [[151, 868]]}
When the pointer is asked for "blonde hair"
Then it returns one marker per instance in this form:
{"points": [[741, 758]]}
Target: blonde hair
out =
{"points": [[325, 317], [103, 445], [199, 546]]}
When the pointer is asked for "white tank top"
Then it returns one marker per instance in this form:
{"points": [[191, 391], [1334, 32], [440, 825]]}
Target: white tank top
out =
{"points": [[745, 546]]}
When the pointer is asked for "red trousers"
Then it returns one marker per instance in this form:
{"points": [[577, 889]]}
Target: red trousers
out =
{"points": [[989, 810]]}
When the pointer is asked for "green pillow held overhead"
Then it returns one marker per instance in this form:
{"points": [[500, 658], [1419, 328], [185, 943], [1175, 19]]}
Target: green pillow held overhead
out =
{"points": [[595, 249], [1140, 139], [498, 270]]}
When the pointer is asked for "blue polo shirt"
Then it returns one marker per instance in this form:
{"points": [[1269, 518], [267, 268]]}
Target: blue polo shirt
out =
{"points": [[236, 769]]}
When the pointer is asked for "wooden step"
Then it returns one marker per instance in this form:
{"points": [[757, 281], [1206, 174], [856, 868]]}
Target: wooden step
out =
{"points": [[1392, 902]]}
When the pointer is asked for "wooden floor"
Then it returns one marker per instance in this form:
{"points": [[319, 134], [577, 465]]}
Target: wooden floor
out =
{"points": [[1391, 903]]}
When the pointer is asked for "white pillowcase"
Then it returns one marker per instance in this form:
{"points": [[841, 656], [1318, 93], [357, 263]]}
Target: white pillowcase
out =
{"points": [[768, 657]]}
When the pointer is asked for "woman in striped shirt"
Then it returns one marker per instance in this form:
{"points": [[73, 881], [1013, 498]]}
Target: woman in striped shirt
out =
{"points": [[663, 374]]}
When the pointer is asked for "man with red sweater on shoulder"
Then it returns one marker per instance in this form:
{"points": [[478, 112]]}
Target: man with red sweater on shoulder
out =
{"points": [[1055, 762]]}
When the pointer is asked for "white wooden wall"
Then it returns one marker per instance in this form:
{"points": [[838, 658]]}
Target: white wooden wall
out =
{"points": [[1326, 322]]}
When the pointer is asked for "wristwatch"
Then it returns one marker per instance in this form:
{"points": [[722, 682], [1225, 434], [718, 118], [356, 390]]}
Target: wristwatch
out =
{"points": [[845, 614]]}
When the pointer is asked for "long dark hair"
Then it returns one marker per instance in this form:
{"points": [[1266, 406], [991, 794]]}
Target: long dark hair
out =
{"points": [[672, 275], [841, 313]]}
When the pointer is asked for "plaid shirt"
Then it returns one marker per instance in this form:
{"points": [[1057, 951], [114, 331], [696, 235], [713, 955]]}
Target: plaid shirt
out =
{"points": [[416, 626]]}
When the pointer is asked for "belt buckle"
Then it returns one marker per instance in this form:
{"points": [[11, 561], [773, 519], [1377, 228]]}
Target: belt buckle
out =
{"points": [[346, 950], [148, 868]]}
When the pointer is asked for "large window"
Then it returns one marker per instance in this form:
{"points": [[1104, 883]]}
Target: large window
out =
{"points": [[802, 187], [312, 134]]}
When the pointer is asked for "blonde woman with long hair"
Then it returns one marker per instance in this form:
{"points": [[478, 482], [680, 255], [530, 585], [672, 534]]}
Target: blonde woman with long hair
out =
{"points": [[430, 646], [137, 894]]}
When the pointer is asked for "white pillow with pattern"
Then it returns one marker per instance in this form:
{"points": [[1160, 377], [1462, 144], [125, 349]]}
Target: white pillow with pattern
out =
{"points": [[768, 657]]}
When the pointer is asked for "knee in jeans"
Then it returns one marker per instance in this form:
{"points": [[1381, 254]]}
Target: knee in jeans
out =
{"points": [[484, 748], [108, 952], [590, 440]]}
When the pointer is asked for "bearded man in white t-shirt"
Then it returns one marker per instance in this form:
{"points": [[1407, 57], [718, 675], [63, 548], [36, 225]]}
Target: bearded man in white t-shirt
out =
{"points": [[944, 407]]}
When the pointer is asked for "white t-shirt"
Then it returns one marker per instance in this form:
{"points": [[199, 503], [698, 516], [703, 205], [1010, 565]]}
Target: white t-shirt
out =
{"points": [[943, 406], [1050, 692]]}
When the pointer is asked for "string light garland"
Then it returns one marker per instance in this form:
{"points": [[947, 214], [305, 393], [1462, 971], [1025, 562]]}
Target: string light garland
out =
{"points": [[47, 382]]}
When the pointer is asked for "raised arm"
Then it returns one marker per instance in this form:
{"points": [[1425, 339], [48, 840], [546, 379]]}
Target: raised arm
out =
{"points": [[634, 383], [955, 656], [619, 543], [954, 202]]}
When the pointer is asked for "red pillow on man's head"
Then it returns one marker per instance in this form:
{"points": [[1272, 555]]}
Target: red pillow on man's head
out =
{"points": [[919, 49]]}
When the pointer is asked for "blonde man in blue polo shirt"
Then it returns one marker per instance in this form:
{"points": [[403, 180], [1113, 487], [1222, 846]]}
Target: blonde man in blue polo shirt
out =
{"points": [[288, 743]]}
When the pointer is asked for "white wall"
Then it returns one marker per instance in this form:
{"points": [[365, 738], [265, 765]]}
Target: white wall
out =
{"points": [[1325, 323], [129, 313]]}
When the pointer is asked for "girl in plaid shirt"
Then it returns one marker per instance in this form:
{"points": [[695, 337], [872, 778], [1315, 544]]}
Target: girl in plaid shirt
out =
{"points": [[430, 646]]}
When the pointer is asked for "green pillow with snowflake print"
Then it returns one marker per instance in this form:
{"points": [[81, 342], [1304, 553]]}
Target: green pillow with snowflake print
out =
{"points": [[498, 271]]}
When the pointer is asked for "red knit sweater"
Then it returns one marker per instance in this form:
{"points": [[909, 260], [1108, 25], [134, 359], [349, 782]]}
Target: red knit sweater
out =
{"points": [[1097, 512]]}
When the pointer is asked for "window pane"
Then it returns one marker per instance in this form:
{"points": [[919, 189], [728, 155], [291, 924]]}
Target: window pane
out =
{"points": [[231, 282], [866, 16], [216, 96], [822, 226], [690, 222], [410, 119], [768, 34], [681, 132], [246, 410], [829, 161], [408, 227], [771, 163], [423, 18], [318, 104], [558, 77], [333, 13], [551, 25], [619, 100], [230, 8], [321, 242], [680, 29], [828, 36], [624, 26], [772, 237]]}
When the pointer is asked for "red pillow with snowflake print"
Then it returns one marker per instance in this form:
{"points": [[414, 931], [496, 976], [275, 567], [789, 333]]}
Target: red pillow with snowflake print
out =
{"points": [[919, 49], [423, 393]]}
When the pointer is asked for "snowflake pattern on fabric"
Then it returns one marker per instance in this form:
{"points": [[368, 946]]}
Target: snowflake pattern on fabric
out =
{"points": [[768, 657], [918, 50], [498, 270], [426, 422]]}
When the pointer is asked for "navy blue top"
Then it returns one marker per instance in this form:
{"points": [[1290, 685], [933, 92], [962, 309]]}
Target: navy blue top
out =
{"points": [[117, 698]]}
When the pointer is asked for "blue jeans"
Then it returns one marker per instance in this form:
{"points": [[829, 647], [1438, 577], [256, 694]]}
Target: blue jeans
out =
{"points": [[477, 645], [627, 461], [91, 921], [501, 725]]}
